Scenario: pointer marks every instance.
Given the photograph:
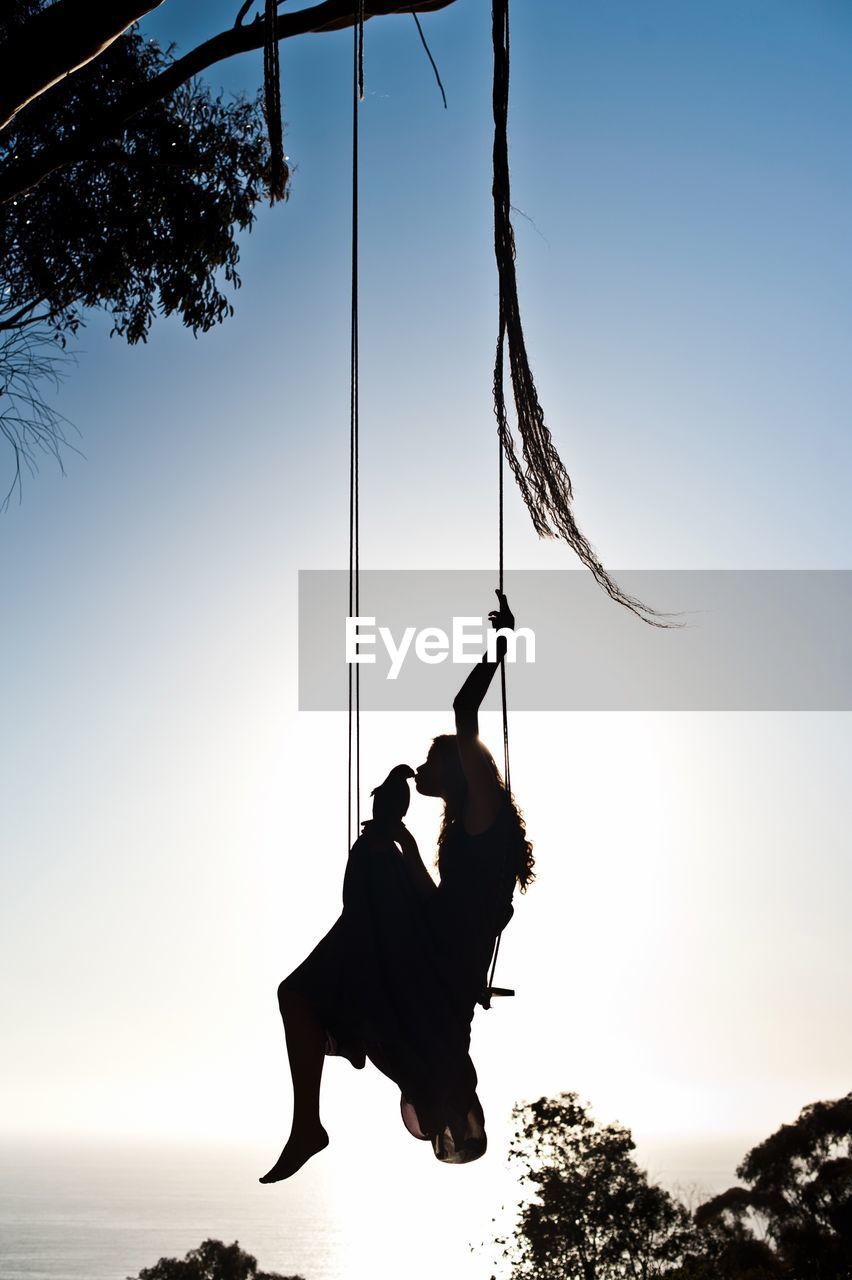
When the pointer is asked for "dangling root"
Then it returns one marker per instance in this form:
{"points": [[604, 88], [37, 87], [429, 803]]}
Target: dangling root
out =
{"points": [[542, 480]]}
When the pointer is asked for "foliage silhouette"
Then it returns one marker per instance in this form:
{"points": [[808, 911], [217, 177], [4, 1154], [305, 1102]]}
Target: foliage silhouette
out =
{"points": [[28, 423], [140, 227], [143, 226], [40, 48], [593, 1214], [212, 1260], [795, 1217]]}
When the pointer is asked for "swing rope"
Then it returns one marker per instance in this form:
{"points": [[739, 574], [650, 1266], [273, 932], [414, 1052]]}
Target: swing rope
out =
{"points": [[490, 989], [503, 242], [354, 758], [500, 577]]}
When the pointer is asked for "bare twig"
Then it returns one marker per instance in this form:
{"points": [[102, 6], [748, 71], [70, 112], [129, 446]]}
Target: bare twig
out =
{"points": [[429, 56], [28, 423]]}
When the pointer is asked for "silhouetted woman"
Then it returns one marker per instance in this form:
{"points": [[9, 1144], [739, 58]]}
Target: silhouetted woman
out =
{"points": [[398, 975]]}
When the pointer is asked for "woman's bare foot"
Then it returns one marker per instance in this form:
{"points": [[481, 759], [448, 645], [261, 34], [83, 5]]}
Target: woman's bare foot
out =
{"points": [[299, 1149]]}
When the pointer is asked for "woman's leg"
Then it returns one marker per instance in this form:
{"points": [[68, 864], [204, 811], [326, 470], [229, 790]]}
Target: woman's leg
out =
{"points": [[306, 1053]]}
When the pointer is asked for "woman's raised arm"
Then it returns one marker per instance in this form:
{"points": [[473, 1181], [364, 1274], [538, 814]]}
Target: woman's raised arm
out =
{"points": [[483, 795], [469, 697]]}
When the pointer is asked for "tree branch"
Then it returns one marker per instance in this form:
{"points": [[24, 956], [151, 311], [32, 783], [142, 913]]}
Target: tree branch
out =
{"points": [[244, 8], [20, 319], [58, 41], [330, 15]]}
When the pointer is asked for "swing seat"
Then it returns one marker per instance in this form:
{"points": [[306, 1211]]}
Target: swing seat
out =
{"points": [[485, 998]]}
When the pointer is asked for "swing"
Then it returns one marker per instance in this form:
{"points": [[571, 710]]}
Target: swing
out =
{"points": [[448, 1101]]}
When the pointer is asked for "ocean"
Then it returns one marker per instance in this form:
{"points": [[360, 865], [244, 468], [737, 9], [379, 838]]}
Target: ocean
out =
{"points": [[104, 1209]]}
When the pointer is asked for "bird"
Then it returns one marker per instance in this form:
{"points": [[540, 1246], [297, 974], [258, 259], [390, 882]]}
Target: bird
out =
{"points": [[392, 798]]}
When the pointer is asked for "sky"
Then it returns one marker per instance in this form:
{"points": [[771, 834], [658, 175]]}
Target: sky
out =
{"points": [[174, 825]]}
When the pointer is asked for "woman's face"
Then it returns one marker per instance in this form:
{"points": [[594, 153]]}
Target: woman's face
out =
{"points": [[429, 776]]}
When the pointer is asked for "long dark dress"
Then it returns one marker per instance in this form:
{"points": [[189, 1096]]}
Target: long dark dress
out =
{"points": [[397, 976]]}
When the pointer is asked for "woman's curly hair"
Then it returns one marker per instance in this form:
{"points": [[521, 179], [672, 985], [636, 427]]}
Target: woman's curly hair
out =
{"points": [[447, 744]]}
